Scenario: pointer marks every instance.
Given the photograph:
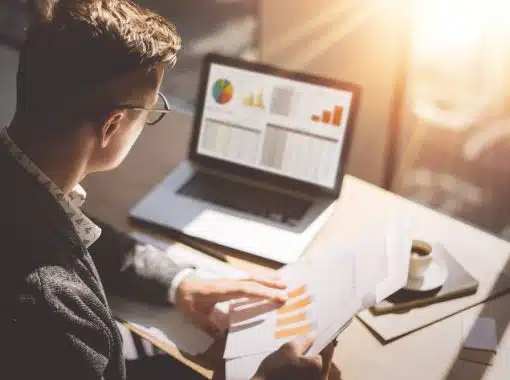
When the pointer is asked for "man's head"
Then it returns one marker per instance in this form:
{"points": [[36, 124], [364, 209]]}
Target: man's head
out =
{"points": [[81, 60]]}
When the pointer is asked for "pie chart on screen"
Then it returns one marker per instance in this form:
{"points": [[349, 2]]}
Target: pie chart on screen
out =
{"points": [[223, 91]]}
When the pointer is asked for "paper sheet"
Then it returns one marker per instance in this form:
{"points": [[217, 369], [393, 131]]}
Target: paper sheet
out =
{"points": [[266, 325], [398, 247], [245, 367], [340, 282]]}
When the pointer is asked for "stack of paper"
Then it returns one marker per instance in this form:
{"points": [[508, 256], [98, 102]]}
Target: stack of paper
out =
{"points": [[324, 293]]}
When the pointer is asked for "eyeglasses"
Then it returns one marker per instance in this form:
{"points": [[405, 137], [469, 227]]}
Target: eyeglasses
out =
{"points": [[156, 114]]}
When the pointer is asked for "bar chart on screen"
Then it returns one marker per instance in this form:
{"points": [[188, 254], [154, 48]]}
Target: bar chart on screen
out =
{"points": [[283, 100], [255, 99], [332, 117]]}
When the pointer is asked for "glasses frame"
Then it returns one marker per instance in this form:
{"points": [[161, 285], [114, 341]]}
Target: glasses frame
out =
{"points": [[163, 112]]}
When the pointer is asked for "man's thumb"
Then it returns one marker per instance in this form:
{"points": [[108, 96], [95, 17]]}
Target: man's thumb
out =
{"points": [[209, 327], [303, 343]]}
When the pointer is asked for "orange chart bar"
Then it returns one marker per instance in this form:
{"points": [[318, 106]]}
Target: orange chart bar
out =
{"points": [[294, 306], [286, 333], [316, 118], [326, 116], [297, 292], [337, 115], [284, 321]]}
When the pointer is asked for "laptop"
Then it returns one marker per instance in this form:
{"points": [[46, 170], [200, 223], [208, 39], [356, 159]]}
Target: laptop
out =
{"points": [[266, 160]]}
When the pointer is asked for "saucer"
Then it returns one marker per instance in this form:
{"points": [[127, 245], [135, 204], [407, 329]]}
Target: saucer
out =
{"points": [[433, 277]]}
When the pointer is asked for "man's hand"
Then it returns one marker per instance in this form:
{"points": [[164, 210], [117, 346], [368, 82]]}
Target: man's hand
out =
{"points": [[196, 296], [289, 362]]}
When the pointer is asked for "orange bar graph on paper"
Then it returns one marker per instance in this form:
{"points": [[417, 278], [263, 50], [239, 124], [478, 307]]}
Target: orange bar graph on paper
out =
{"points": [[316, 118], [326, 116], [297, 292], [337, 115], [284, 321], [294, 331], [294, 306]]}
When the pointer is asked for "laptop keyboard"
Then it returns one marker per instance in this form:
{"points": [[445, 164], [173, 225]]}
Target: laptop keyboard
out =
{"points": [[242, 197]]}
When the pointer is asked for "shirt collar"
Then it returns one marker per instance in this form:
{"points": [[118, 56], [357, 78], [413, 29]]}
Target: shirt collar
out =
{"points": [[86, 230]]}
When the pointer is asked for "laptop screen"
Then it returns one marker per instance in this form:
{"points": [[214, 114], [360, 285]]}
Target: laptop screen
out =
{"points": [[274, 124]]}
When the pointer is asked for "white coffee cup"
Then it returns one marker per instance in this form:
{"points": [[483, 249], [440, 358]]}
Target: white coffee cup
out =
{"points": [[421, 259]]}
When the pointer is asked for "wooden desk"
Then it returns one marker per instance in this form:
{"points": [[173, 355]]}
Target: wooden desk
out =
{"points": [[428, 354]]}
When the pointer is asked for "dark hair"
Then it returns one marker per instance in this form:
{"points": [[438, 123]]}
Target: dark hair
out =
{"points": [[74, 45]]}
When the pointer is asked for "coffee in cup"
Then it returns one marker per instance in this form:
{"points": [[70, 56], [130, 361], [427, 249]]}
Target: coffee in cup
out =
{"points": [[421, 258]]}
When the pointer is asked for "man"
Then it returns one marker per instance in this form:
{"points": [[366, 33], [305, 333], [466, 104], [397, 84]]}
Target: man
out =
{"points": [[88, 79]]}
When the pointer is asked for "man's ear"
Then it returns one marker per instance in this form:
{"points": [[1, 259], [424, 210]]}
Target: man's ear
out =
{"points": [[110, 126]]}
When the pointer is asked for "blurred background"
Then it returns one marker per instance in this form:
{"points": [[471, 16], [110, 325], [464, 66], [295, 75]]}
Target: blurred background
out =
{"points": [[227, 26], [455, 149], [434, 123]]}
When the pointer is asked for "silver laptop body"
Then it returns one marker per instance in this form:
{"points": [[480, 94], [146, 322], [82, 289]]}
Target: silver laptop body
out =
{"points": [[266, 160]]}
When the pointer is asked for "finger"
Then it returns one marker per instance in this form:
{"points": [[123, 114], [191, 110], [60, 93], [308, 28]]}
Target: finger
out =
{"points": [[213, 330], [241, 289], [327, 355], [208, 326], [302, 344], [270, 281], [314, 363]]}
